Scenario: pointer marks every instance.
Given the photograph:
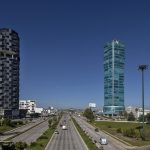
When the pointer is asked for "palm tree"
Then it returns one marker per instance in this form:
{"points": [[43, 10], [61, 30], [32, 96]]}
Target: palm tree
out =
{"points": [[136, 110]]}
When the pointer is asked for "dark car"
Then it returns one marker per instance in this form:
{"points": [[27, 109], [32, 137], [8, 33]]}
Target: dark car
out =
{"points": [[56, 132]]}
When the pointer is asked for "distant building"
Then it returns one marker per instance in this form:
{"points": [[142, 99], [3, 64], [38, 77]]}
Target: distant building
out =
{"points": [[137, 112], [130, 109], [49, 111], [30, 105], [114, 59], [9, 73], [140, 112], [38, 110]]}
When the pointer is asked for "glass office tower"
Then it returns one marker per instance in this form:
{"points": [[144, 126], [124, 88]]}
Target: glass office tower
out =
{"points": [[114, 58]]}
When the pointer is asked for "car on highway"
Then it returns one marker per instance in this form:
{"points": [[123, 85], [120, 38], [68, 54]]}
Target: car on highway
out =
{"points": [[56, 132], [103, 141], [64, 127]]}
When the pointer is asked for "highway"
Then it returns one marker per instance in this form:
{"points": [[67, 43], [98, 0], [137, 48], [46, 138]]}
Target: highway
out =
{"points": [[66, 139], [19, 130], [32, 134], [90, 130]]}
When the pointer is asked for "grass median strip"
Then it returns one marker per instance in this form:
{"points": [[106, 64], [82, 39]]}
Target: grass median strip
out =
{"points": [[42, 141], [86, 139]]}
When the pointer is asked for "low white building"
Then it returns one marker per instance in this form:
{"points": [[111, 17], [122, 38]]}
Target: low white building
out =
{"points": [[30, 105], [140, 112], [134, 110], [130, 109]]}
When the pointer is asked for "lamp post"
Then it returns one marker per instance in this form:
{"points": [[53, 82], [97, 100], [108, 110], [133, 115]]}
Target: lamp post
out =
{"points": [[142, 68]]}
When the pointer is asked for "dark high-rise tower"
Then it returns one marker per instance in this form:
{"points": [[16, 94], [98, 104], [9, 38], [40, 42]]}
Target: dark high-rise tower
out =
{"points": [[9, 72], [114, 57]]}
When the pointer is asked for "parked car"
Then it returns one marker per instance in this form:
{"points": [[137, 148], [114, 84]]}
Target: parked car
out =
{"points": [[103, 141]]}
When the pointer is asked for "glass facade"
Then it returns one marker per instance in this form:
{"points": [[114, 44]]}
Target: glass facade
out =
{"points": [[114, 58]]}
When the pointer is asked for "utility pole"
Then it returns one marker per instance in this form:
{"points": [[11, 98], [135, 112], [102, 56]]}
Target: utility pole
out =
{"points": [[142, 68]]}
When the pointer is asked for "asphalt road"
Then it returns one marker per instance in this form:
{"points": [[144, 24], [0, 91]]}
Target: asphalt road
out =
{"points": [[19, 130], [90, 130], [66, 139], [32, 134]]}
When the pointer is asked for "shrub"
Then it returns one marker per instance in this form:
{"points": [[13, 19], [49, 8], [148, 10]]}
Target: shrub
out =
{"points": [[20, 145], [8, 146], [20, 122], [26, 121], [41, 145], [50, 122], [131, 117], [109, 126], [33, 144], [10, 123], [96, 129], [30, 119], [43, 137], [7, 122], [130, 132], [147, 135], [119, 130]]}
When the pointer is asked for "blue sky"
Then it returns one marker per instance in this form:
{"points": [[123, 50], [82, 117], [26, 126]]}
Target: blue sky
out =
{"points": [[62, 48]]}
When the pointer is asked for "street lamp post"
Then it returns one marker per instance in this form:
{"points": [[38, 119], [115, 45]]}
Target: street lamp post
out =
{"points": [[142, 68]]}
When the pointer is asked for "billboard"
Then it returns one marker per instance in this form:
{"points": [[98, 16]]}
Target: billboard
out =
{"points": [[92, 105]]}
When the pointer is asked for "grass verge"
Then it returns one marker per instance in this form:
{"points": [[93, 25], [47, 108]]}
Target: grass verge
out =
{"points": [[86, 139], [5, 128], [120, 130]]}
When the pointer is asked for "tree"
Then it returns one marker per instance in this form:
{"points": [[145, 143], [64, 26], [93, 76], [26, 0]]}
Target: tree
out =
{"points": [[88, 113], [136, 110], [125, 114], [20, 145], [141, 118], [131, 117], [53, 122], [50, 123]]}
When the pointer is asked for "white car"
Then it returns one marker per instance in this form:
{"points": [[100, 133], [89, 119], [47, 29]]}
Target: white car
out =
{"points": [[103, 141], [64, 127]]}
